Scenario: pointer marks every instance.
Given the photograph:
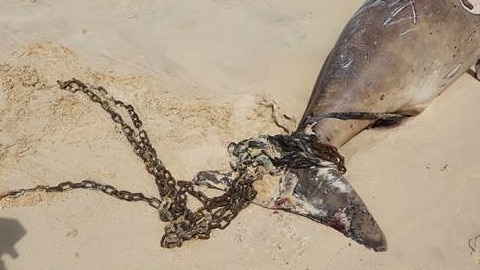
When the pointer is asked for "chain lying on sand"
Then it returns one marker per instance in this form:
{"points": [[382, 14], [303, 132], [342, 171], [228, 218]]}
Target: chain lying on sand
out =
{"points": [[214, 213]]}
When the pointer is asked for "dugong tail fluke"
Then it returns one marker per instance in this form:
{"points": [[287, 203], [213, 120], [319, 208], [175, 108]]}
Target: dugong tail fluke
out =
{"points": [[299, 174], [334, 202]]}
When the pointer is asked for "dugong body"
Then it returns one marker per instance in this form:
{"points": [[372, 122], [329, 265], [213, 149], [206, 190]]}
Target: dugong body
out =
{"points": [[393, 56]]}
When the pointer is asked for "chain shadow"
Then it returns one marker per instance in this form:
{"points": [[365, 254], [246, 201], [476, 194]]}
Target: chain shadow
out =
{"points": [[11, 231]]}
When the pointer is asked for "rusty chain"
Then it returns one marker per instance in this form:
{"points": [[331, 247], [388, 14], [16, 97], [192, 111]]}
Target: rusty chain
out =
{"points": [[87, 184], [184, 224], [215, 212]]}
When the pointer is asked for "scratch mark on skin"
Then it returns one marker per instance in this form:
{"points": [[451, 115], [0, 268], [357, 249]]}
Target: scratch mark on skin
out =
{"points": [[469, 39], [414, 11], [452, 72], [345, 61], [392, 19], [404, 19], [408, 31]]}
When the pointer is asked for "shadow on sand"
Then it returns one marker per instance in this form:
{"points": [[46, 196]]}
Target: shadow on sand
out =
{"points": [[11, 231]]}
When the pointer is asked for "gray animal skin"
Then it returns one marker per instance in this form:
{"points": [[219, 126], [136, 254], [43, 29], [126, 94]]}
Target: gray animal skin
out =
{"points": [[392, 58]]}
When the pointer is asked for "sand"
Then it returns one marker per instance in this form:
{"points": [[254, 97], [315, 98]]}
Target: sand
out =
{"points": [[202, 74]]}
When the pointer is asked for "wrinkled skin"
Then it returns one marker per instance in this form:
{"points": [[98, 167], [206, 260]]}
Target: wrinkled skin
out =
{"points": [[392, 58]]}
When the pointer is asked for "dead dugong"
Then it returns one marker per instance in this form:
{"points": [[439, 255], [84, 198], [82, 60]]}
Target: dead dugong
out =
{"points": [[391, 59]]}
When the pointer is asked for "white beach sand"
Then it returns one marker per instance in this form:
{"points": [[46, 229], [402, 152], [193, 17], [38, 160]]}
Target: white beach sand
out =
{"points": [[196, 71]]}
